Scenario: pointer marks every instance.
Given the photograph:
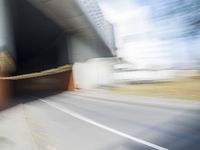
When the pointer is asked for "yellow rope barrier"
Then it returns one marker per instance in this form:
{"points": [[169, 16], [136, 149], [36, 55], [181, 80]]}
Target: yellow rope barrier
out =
{"points": [[39, 74]]}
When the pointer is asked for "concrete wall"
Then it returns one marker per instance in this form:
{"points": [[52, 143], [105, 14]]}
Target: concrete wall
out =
{"points": [[82, 49], [94, 73], [42, 85]]}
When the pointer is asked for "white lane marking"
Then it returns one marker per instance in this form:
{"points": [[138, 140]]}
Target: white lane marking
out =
{"points": [[85, 119]]}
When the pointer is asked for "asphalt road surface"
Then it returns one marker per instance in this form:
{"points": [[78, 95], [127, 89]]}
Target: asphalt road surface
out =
{"points": [[100, 121]]}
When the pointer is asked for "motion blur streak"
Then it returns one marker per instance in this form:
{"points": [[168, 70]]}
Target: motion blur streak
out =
{"points": [[99, 74]]}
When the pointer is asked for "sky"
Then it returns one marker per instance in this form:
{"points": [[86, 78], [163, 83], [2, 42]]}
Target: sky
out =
{"points": [[137, 36]]}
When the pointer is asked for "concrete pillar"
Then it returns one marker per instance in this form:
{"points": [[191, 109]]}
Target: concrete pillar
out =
{"points": [[6, 50], [5, 92]]}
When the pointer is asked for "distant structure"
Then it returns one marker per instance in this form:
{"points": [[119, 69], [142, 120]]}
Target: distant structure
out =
{"points": [[37, 35]]}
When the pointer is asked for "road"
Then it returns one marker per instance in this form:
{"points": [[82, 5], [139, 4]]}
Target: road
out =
{"points": [[98, 121]]}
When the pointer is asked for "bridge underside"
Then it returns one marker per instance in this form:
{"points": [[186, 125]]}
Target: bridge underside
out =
{"points": [[43, 44], [40, 44]]}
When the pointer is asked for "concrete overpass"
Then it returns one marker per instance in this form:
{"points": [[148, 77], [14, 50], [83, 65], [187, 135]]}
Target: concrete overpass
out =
{"points": [[37, 35]]}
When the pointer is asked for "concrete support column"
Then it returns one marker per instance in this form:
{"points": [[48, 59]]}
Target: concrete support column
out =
{"points": [[5, 92], [7, 64]]}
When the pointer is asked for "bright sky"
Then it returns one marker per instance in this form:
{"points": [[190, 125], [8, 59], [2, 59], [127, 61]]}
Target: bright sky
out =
{"points": [[135, 37]]}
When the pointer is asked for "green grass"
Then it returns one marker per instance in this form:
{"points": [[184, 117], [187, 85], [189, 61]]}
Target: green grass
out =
{"points": [[182, 89]]}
